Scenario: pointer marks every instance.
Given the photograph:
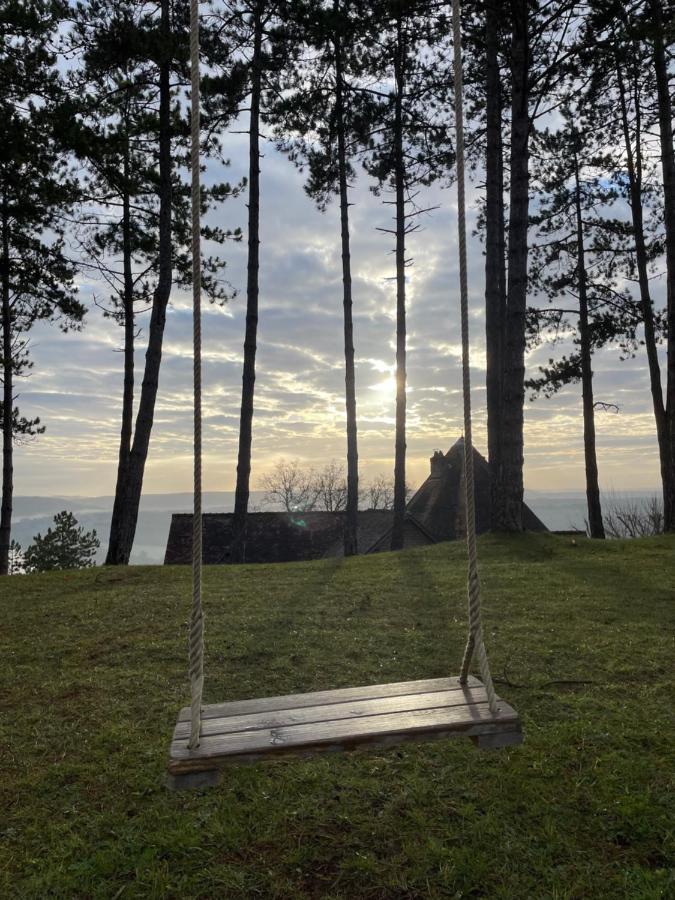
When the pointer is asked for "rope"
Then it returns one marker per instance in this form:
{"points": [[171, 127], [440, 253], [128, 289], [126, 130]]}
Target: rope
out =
{"points": [[475, 643], [196, 649]]}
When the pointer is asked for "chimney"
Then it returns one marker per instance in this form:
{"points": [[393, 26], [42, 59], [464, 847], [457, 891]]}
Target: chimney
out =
{"points": [[438, 464]]}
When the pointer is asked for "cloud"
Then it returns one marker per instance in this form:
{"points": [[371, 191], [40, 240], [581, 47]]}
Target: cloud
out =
{"points": [[76, 384]]}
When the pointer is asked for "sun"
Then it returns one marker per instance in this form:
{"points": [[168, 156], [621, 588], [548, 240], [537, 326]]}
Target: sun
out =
{"points": [[386, 388]]}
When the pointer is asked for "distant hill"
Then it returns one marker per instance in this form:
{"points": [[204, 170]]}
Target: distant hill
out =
{"points": [[559, 511], [35, 514]]}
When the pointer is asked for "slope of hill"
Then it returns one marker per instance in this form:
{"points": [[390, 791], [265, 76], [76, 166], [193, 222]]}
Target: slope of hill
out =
{"points": [[580, 639]]}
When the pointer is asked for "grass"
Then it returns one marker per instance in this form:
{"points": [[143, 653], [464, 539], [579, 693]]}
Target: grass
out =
{"points": [[94, 671]]}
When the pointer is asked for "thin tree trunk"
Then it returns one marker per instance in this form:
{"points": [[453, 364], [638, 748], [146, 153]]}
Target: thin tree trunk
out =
{"points": [[646, 305], [397, 534], [128, 392], [595, 523], [502, 254], [668, 168], [242, 490], [8, 405], [352, 510], [121, 543], [495, 298], [508, 512]]}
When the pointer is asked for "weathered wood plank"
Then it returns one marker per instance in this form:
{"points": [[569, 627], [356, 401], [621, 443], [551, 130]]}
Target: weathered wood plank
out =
{"points": [[372, 742], [335, 711], [470, 719], [320, 698], [302, 725]]}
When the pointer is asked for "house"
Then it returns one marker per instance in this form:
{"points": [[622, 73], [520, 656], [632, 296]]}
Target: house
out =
{"points": [[434, 513], [438, 506]]}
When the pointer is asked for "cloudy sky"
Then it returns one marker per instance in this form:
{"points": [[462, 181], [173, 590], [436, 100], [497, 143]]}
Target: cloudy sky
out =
{"points": [[76, 383]]}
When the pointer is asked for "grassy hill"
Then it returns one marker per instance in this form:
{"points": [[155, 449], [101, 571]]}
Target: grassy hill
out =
{"points": [[581, 642]]}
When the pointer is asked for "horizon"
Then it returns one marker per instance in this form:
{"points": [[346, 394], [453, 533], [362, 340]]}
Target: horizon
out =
{"points": [[605, 491], [558, 510]]}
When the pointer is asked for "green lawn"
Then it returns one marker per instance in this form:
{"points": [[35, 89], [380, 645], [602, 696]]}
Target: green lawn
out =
{"points": [[581, 642]]}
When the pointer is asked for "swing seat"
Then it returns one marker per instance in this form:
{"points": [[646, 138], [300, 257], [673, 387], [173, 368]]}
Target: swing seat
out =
{"points": [[300, 725]]}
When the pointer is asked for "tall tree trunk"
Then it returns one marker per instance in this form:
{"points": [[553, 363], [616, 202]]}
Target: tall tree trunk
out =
{"points": [[352, 511], [397, 534], [250, 340], [508, 512], [121, 543], [129, 338], [7, 404], [595, 523], [495, 295], [668, 168], [646, 305]]}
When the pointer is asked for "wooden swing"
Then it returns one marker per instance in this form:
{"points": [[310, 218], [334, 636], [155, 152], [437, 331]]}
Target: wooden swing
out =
{"points": [[208, 738]]}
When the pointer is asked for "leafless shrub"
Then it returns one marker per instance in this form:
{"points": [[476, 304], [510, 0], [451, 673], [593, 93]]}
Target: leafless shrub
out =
{"points": [[627, 518]]}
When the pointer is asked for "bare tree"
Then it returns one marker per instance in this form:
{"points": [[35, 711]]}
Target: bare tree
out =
{"points": [[330, 487], [287, 485], [380, 493], [295, 489]]}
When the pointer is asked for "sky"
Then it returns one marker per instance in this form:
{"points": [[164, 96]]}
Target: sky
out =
{"points": [[76, 384]]}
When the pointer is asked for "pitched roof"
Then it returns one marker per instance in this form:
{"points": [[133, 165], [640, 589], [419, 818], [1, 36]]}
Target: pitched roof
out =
{"points": [[414, 535], [371, 524], [273, 536], [438, 504]]}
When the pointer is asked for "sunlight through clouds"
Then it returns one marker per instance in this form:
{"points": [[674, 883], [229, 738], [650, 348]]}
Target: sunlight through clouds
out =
{"points": [[300, 412]]}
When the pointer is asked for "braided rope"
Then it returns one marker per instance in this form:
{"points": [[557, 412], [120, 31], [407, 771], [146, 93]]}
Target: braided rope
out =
{"points": [[196, 650], [475, 643]]}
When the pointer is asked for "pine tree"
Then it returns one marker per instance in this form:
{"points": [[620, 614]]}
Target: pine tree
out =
{"points": [[410, 148], [320, 123], [65, 546], [115, 134], [623, 90], [23, 428], [36, 190], [123, 527], [256, 47], [242, 488], [540, 52], [112, 135], [495, 238], [658, 14], [577, 242]]}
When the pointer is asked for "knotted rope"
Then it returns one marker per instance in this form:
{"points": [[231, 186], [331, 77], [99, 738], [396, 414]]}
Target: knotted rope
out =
{"points": [[196, 651], [475, 643]]}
